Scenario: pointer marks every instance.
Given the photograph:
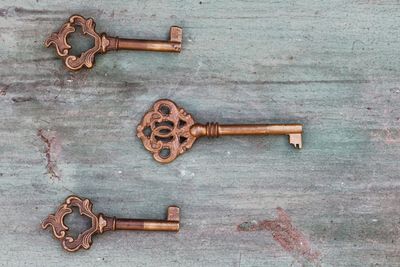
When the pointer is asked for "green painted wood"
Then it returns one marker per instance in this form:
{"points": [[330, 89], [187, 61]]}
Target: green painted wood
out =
{"points": [[332, 65]]}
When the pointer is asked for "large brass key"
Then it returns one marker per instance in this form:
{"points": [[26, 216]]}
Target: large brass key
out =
{"points": [[167, 131], [104, 43], [101, 223]]}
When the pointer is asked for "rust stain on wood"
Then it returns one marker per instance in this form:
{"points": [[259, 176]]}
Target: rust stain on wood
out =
{"points": [[388, 136], [52, 151], [286, 234]]}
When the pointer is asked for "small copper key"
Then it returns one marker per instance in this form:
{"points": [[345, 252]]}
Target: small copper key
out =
{"points": [[101, 223], [104, 43], [167, 131]]}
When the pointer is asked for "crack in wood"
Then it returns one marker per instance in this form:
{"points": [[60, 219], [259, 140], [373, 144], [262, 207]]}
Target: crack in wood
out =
{"points": [[52, 151]]}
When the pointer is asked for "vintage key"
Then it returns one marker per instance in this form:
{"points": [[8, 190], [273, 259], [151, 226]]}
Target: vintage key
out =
{"points": [[167, 131], [101, 223], [104, 43]]}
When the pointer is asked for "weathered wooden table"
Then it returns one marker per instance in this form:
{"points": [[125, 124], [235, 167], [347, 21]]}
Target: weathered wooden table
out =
{"points": [[246, 201]]}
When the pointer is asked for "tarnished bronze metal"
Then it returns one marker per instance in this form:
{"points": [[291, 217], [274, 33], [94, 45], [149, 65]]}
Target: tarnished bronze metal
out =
{"points": [[104, 43], [167, 131], [101, 223]]}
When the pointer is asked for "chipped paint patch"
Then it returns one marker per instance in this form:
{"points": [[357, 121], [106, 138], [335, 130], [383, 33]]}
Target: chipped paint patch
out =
{"points": [[52, 151], [286, 234], [4, 88], [387, 135]]}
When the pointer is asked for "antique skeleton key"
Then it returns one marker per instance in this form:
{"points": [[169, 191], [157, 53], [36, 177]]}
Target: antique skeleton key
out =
{"points": [[101, 223], [104, 43], [167, 131]]}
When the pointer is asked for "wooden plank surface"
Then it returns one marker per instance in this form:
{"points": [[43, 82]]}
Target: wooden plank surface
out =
{"points": [[332, 65]]}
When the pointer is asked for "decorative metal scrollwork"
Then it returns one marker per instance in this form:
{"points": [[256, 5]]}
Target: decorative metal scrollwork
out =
{"points": [[165, 131], [59, 40], [60, 230]]}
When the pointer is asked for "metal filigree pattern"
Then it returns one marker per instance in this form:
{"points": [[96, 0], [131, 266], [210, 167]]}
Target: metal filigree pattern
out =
{"points": [[165, 131], [59, 40], [56, 221], [60, 230]]}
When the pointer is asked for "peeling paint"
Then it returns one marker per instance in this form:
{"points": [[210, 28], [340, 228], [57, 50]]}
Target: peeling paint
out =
{"points": [[388, 136], [4, 88], [288, 236]]}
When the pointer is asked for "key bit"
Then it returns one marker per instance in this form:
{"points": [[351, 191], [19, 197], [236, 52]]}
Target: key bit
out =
{"points": [[101, 223], [168, 131], [104, 43]]}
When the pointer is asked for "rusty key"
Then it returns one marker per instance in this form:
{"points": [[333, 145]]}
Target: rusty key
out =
{"points": [[101, 223], [104, 43], [167, 131]]}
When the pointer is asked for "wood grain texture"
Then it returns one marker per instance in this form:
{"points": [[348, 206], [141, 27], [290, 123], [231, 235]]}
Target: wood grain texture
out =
{"points": [[332, 65]]}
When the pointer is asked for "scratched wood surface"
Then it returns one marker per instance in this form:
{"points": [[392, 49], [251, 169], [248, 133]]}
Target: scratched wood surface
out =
{"points": [[246, 201]]}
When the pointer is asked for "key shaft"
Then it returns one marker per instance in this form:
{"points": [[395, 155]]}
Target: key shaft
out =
{"points": [[215, 129], [171, 224], [174, 44], [146, 225]]}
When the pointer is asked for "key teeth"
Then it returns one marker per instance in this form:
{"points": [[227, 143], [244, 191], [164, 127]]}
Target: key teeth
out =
{"points": [[173, 214], [175, 34], [295, 140], [298, 146]]}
